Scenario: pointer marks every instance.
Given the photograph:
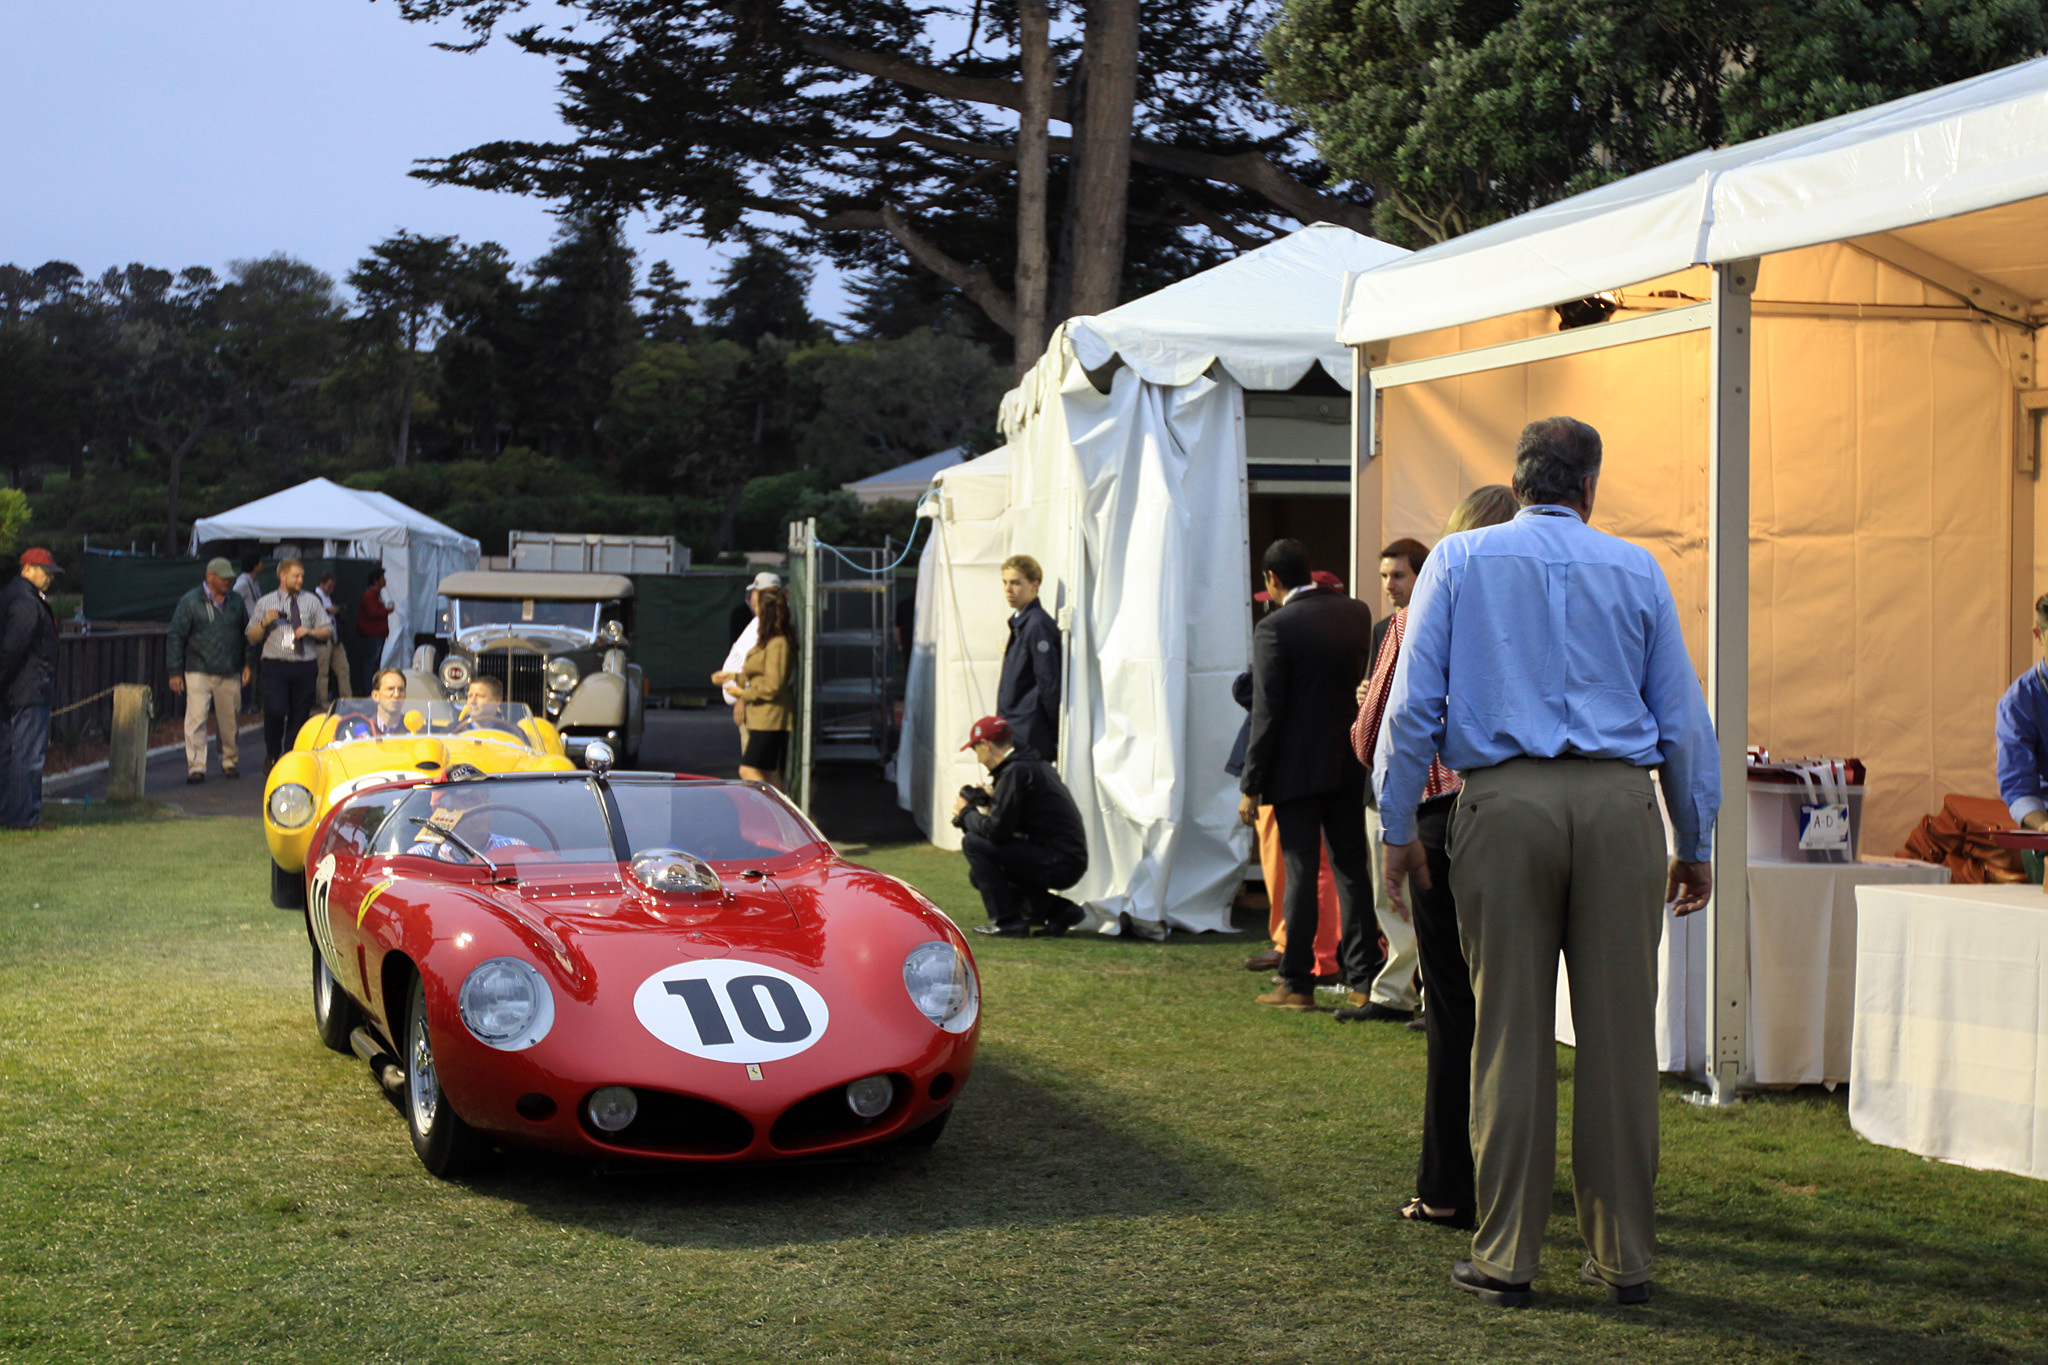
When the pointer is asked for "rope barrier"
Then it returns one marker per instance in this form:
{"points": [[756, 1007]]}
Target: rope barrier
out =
{"points": [[87, 702]]}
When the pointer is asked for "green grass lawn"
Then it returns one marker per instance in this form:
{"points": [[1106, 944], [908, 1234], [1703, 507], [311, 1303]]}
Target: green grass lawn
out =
{"points": [[1144, 1167]]}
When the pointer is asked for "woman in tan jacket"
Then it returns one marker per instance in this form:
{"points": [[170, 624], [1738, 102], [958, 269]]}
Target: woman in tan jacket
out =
{"points": [[765, 691]]}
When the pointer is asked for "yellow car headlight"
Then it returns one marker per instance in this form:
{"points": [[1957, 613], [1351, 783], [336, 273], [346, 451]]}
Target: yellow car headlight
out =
{"points": [[291, 806]]}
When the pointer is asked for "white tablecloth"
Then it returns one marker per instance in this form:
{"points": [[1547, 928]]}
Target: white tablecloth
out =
{"points": [[1802, 962], [1951, 1053], [1802, 971]]}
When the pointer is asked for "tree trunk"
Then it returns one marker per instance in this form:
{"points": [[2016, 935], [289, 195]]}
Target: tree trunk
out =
{"points": [[403, 448], [1034, 43], [1102, 154]]}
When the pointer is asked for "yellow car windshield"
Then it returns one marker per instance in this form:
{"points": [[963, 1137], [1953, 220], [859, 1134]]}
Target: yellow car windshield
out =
{"points": [[361, 719]]}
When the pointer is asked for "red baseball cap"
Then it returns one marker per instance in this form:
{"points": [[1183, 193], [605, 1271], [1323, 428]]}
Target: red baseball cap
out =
{"points": [[990, 729], [1322, 578], [36, 557]]}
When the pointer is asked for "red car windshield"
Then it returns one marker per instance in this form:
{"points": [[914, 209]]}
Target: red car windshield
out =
{"points": [[719, 822], [563, 820]]}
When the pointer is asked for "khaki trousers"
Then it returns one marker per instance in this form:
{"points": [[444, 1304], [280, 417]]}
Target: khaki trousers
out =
{"points": [[222, 694], [333, 661], [1395, 985], [1551, 855]]}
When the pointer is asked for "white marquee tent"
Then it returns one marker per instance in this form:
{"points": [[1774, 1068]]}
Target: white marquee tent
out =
{"points": [[417, 551], [906, 482], [1126, 480], [1818, 398], [957, 655]]}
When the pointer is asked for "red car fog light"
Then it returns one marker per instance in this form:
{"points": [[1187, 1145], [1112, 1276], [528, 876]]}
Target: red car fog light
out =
{"points": [[869, 1096], [612, 1107]]}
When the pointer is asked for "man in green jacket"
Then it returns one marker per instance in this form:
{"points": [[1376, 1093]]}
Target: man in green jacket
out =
{"points": [[209, 649]]}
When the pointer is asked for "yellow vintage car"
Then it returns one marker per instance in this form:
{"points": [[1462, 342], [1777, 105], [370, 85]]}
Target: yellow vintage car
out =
{"points": [[354, 746]]}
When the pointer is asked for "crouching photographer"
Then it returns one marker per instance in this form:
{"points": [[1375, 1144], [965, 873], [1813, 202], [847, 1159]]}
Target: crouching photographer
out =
{"points": [[1023, 837]]}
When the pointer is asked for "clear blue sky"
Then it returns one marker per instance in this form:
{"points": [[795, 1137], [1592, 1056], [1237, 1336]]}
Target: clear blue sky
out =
{"points": [[196, 132]]}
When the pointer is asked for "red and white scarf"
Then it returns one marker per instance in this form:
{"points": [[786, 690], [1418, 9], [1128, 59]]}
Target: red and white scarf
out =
{"points": [[1365, 731]]}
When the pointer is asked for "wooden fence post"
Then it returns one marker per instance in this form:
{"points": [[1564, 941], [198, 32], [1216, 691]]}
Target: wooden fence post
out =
{"points": [[128, 741]]}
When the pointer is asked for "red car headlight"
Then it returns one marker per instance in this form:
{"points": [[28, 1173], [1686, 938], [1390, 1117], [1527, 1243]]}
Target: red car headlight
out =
{"points": [[942, 986]]}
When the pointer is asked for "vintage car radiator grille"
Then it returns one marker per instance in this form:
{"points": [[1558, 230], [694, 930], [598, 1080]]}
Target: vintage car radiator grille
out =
{"points": [[680, 1123], [519, 670]]}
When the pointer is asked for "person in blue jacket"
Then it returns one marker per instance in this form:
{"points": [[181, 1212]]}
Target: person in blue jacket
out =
{"points": [[2023, 736], [1028, 697]]}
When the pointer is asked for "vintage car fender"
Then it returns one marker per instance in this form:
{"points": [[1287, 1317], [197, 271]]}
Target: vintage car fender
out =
{"points": [[600, 699]]}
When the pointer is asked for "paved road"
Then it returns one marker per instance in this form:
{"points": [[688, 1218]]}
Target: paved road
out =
{"points": [[851, 805]]}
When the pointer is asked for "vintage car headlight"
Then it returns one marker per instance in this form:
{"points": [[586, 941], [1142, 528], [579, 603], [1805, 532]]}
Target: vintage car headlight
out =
{"points": [[506, 1003], [562, 674], [291, 806], [870, 1096], [454, 672], [941, 986], [675, 872], [612, 1107]]}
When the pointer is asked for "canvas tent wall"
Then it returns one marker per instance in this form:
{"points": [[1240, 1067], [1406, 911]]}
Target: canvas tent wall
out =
{"points": [[956, 652], [1128, 482], [1817, 401], [417, 552]]}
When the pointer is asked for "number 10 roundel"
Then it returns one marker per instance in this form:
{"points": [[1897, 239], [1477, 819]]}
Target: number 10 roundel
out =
{"points": [[728, 1011]]}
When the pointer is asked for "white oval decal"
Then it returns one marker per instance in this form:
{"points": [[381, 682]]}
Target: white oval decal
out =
{"points": [[356, 784], [725, 1010]]}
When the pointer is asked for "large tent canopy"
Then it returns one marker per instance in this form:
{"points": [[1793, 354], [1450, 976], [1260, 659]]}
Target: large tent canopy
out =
{"points": [[1817, 393], [1126, 480], [417, 552]]}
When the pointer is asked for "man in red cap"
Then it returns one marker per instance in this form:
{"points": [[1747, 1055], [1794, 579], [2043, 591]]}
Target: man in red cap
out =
{"points": [[1022, 836], [28, 680]]}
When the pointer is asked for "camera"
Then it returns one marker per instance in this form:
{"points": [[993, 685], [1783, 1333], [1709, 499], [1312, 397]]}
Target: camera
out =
{"points": [[976, 797]]}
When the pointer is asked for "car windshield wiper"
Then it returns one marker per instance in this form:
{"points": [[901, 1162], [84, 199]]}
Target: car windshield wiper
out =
{"points": [[465, 845]]}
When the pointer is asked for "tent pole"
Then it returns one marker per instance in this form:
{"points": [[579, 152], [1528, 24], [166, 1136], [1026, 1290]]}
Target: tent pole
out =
{"points": [[1367, 485], [1728, 1060]]}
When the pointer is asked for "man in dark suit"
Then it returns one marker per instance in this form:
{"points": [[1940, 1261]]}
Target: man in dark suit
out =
{"points": [[1308, 656], [1028, 697]]}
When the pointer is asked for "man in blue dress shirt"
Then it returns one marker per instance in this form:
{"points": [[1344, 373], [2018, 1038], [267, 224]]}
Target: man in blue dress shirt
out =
{"points": [[1543, 661], [2023, 737]]}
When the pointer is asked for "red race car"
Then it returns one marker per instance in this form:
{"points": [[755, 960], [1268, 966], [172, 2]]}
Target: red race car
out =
{"points": [[631, 966]]}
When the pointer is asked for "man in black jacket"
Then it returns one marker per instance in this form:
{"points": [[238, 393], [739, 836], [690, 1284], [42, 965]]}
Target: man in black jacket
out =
{"points": [[1308, 656], [1028, 697], [28, 680], [1022, 837]]}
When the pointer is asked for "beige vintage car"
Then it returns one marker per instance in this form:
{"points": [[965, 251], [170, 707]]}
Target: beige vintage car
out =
{"points": [[559, 642]]}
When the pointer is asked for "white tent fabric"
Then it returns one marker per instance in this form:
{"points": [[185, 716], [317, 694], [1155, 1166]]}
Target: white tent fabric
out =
{"points": [[1265, 317], [956, 653], [908, 482], [1965, 147], [1133, 501], [417, 552]]}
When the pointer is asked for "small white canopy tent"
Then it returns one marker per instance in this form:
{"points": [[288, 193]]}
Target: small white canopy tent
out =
{"points": [[956, 656], [907, 482], [417, 551], [1130, 490], [1817, 399]]}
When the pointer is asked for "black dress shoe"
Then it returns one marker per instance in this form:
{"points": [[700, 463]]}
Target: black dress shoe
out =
{"points": [[1002, 930], [1061, 915], [1372, 1009], [1487, 1289], [194, 779], [1616, 1293]]}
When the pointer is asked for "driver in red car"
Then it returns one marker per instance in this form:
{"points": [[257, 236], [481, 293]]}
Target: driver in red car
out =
{"points": [[461, 824]]}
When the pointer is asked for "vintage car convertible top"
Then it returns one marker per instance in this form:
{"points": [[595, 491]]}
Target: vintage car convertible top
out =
{"points": [[631, 966]]}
